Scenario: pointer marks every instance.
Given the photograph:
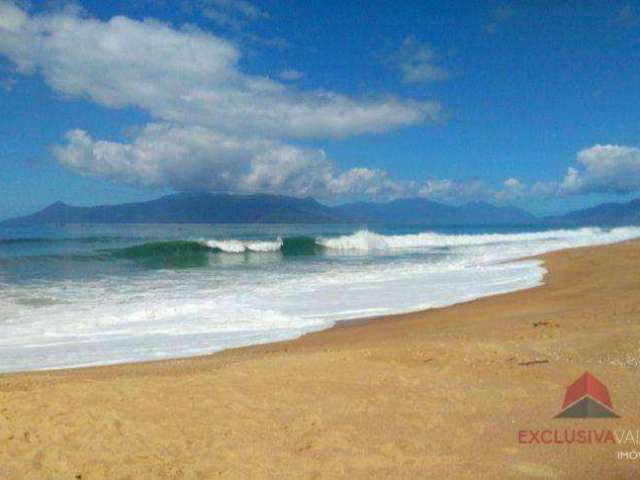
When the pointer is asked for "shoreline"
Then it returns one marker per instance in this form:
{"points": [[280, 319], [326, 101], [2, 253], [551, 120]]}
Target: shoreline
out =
{"points": [[439, 393], [338, 324]]}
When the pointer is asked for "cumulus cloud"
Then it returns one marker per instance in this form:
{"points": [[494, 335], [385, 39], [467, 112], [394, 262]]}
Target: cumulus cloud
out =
{"points": [[512, 188], [368, 182], [191, 157], [513, 184], [604, 169], [473, 190], [417, 62], [162, 154], [446, 189], [185, 76], [600, 169], [213, 126], [195, 157]]}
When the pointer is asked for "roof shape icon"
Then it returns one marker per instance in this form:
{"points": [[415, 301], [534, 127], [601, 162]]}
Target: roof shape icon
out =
{"points": [[587, 397]]}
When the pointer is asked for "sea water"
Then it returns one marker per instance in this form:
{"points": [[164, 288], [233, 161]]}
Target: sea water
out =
{"points": [[79, 295]]}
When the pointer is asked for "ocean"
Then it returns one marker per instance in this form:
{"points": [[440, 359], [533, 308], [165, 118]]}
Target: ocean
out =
{"points": [[80, 295]]}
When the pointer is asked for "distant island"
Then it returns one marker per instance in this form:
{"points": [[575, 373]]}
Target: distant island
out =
{"points": [[265, 208]]}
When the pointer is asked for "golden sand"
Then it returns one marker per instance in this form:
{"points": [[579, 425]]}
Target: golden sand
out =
{"points": [[434, 394]]}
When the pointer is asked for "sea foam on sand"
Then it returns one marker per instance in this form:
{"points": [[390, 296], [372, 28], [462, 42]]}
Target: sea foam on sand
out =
{"points": [[174, 313]]}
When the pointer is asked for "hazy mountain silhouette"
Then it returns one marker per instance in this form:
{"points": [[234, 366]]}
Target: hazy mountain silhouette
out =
{"points": [[264, 208]]}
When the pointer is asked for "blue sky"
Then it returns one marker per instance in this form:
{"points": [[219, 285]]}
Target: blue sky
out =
{"points": [[512, 103]]}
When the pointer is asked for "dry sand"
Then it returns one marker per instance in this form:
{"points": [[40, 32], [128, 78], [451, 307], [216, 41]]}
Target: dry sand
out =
{"points": [[435, 394]]}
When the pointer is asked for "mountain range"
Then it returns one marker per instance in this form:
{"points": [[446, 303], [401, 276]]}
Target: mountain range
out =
{"points": [[265, 208]]}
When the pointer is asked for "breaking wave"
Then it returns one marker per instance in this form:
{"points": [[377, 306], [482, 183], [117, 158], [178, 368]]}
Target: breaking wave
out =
{"points": [[193, 253], [105, 303], [239, 246], [366, 240]]}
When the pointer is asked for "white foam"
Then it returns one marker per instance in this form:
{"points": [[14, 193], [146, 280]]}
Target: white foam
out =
{"points": [[240, 246], [166, 314], [366, 240]]}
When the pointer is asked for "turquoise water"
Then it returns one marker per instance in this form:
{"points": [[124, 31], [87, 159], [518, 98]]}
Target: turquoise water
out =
{"points": [[78, 295]]}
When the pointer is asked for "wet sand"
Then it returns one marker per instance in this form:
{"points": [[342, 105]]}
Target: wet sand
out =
{"points": [[435, 394]]}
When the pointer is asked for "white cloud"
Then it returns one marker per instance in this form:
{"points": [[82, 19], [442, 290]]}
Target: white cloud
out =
{"points": [[246, 9], [185, 76], [512, 183], [416, 62], [234, 16], [368, 182], [286, 168], [194, 157], [179, 156], [231, 14], [214, 127], [290, 74], [455, 190], [512, 188], [473, 190], [600, 169], [613, 169]]}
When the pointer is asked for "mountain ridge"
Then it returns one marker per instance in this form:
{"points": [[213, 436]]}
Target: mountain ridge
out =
{"points": [[204, 207]]}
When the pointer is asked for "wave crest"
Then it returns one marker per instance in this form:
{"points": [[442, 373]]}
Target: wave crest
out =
{"points": [[240, 246], [366, 240]]}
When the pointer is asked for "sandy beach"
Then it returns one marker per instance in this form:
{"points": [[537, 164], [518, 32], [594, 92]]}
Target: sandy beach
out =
{"points": [[435, 394]]}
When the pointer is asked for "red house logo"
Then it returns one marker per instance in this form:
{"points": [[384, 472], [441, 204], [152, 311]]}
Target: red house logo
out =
{"points": [[587, 397]]}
